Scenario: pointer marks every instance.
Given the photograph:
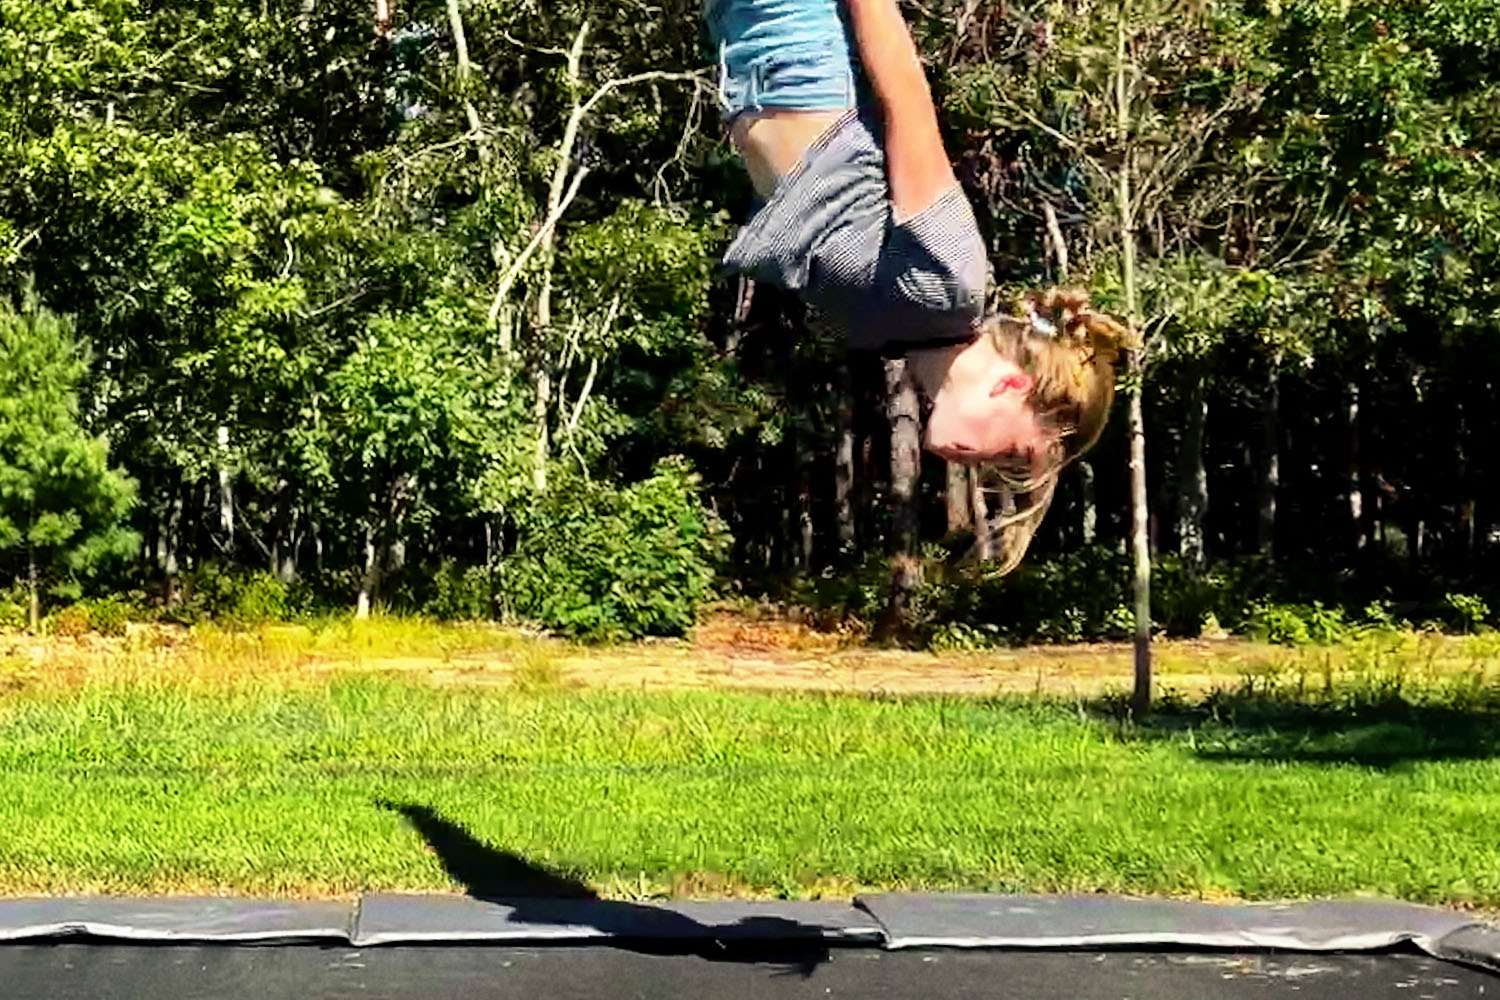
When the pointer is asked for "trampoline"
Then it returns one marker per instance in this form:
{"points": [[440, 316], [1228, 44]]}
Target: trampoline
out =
{"points": [[930, 946]]}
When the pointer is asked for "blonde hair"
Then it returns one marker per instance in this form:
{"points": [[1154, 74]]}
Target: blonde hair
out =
{"points": [[1071, 353]]}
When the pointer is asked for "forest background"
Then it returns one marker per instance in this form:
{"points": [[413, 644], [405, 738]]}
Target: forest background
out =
{"points": [[311, 304]]}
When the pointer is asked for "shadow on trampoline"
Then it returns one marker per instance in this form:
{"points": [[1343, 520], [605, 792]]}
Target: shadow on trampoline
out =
{"points": [[537, 894], [1386, 734]]}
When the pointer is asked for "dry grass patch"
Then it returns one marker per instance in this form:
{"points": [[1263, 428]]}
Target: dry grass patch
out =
{"points": [[725, 652]]}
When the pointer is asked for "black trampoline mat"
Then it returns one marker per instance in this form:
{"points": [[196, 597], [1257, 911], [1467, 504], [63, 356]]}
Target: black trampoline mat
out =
{"points": [[112, 971]]}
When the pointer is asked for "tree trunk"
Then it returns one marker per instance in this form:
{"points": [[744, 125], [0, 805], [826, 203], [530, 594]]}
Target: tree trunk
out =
{"points": [[1353, 479], [961, 514], [555, 195], [169, 534], [864, 486], [1270, 471], [159, 543], [281, 555], [843, 469], [903, 412], [286, 566], [1192, 475], [1467, 521], [984, 541], [1140, 702], [461, 51], [369, 579], [35, 615], [1088, 521], [1140, 547], [543, 442], [489, 565], [226, 492], [806, 536], [1467, 502]]}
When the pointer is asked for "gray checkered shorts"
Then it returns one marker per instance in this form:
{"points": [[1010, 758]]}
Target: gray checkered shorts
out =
{"points": [[828, 234]]}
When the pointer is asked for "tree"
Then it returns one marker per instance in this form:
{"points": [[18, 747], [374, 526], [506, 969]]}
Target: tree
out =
{"points": [[61, 505], [414, 407], [1137, 108]]}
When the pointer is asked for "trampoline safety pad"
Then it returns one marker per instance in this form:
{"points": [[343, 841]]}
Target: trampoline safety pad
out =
{"points": [[890, 922], [989, 921]]}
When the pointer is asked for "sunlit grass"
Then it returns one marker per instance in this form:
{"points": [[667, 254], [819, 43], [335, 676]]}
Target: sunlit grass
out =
{"points": [[148, 784]]}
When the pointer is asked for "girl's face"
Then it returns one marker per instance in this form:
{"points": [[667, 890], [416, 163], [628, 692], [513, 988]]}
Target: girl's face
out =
{"points": [[980, 409]]}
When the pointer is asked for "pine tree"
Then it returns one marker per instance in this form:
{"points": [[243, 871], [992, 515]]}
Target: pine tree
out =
{"points": [[61, 505]]}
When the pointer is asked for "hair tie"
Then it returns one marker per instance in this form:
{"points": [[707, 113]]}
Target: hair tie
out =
{"points": [[1040, 325]]}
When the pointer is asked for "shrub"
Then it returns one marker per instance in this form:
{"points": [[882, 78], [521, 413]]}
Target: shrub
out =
{"points": [[1326, 625], [600, 562], [1067, 599], [68, 622], [15, 607], [259, 599], [1278, 623], [1466, 612], [1183, 601], [1296, 624], [107, 615], [235, 598], [960, 637], [458, 593], [1379, 615]]}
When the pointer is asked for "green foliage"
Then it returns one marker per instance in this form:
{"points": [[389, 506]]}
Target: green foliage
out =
{"points": [[261, 598], [68, 622], [456, 592], [659, 264], [15, 606], [1466, 612], [107, 615], [61, 506], [1296, 624], [599, 562], [234, 597], [1184, 601], [1079, 595], [288, 247], [961, 637]]}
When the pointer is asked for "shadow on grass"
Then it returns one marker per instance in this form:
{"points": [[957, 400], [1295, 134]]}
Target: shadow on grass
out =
{"points": [[1391, 732], [536, 894]]}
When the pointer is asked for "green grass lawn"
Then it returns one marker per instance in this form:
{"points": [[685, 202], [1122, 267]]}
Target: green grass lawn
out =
{"points": [[310, 789]]}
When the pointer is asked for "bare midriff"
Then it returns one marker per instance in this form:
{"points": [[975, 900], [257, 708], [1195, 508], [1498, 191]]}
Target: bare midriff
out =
{"points": [[773, 141]]}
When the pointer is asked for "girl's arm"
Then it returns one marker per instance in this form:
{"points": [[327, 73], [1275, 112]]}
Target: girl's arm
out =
{"points": [[917, 166]]}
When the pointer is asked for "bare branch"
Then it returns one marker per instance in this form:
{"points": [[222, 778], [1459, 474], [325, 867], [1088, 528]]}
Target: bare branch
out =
{"points": [[588, 382], [508, 281], [1066, 141], [461, 48], [37, 231], [1059, 243], [337, 303], [659, 190], [541, 49], [609, 86], [583, 395]]}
